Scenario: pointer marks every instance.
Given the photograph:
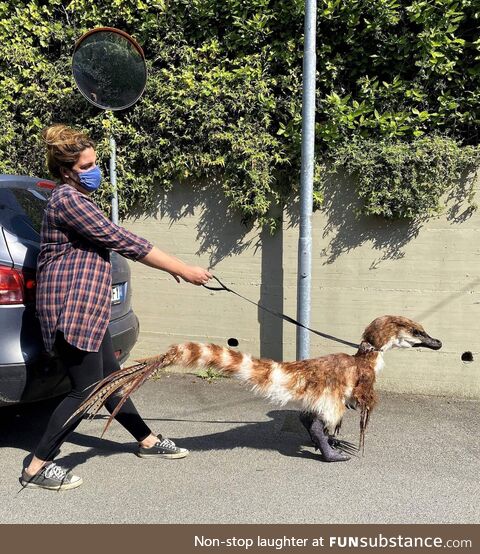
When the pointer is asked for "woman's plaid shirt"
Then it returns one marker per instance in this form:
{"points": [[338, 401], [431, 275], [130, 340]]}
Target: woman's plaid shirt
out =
{"points": [[74, 280]]}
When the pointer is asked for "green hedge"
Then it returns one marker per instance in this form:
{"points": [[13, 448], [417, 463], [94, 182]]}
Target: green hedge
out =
{"points": [[223, 98]]}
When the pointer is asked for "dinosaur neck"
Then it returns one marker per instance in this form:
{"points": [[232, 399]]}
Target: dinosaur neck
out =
{"points": [[379, 362], [371, 355]]}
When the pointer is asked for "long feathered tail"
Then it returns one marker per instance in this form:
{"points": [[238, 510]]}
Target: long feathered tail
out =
{"points": [[125, 382]]}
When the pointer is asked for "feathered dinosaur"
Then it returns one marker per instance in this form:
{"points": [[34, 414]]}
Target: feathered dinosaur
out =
{"points": [[323, 387]]}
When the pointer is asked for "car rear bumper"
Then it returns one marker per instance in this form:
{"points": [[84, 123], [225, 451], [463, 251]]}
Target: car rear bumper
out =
{"points": [[44, 377], [37, 380]]}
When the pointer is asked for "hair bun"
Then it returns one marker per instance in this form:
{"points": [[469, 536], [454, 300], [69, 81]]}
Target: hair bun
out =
{"points": [[64, 146]]}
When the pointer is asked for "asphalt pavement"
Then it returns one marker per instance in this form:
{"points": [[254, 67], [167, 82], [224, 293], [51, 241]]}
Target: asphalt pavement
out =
{"points": [[251, 462]]}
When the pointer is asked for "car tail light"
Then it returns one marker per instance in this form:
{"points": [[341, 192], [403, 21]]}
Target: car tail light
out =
{"points": [[29, 287], [16, 287], [46, 185]]}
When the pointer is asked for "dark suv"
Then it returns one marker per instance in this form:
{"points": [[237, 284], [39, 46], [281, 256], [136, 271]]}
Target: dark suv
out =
{"points": [[27, 372]]}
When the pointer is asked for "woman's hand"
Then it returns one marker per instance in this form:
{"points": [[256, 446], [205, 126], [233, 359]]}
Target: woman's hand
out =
{"points": [[195, 275], [177, 269]]}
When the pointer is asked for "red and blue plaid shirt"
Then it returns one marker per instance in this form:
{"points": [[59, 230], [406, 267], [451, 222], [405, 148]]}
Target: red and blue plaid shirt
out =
{"points": [[74, 280]]}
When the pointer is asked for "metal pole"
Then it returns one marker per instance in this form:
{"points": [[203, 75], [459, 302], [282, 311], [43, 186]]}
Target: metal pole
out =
{"points": [[113, 180], [306, 180]]}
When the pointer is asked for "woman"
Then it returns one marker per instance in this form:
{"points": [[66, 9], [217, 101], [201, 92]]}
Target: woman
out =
{"points": [[74, 298]]}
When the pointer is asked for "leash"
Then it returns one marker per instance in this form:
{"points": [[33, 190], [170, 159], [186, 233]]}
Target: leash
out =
{"points": [[279, 314]]}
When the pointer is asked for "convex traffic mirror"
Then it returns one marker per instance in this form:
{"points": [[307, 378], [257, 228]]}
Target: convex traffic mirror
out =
{"points": [[109, 68]]}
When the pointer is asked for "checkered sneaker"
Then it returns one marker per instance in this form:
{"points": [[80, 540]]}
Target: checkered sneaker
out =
{"points": [[51, 477], [164, 448]]}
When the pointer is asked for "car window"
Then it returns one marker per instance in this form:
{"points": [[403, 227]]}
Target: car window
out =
{"points": [[21, 211]]}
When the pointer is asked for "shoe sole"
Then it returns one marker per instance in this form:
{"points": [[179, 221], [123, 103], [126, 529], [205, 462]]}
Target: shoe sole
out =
{"points": [[166, 456], [63, 487]]}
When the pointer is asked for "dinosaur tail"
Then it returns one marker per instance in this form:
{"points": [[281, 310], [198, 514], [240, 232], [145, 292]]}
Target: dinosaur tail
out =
{"points": [[265, 375], [122, 383]]}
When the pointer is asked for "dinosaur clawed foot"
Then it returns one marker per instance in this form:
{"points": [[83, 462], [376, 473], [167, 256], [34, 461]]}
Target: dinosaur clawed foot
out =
{"points": [[331, 448]]}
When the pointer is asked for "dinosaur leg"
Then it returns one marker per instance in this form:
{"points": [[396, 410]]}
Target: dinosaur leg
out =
{"points": [[321, 441], [307, 419]]}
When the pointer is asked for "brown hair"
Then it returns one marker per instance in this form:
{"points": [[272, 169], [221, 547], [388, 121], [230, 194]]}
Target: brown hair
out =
{"points": [[64, 146]]}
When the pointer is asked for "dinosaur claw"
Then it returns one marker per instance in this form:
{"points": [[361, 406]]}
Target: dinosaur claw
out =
{"points": [[343, 446]]}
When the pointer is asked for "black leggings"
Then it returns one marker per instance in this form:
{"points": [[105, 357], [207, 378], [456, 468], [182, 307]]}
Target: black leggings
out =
{"points": [[85, 369]]}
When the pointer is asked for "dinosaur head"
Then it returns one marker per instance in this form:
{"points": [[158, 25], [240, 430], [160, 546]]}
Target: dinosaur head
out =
{"points": [[391, 331]]}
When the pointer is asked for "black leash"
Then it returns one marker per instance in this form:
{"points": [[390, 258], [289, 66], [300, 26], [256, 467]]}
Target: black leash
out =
{"points": [[280, 315]]}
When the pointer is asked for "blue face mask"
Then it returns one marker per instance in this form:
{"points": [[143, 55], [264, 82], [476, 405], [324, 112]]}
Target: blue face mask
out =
{"points": [[90, 180]]}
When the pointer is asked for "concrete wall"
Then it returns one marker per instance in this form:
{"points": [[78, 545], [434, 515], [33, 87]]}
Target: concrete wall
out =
{"points": [[362, 268]]}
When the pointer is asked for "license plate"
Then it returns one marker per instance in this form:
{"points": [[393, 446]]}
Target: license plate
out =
{"points": [[117, 295]]}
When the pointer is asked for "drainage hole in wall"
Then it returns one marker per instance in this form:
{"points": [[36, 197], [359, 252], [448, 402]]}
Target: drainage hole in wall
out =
{"points": [[232, 342], [467, 357]]}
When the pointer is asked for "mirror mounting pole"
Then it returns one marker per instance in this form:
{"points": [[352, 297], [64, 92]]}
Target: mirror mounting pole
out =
{"points": [[113, 179]]}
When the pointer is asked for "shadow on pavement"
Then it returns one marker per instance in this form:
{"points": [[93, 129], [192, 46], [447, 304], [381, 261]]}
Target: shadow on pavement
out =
{"points": [[22, 427], [284, 433]]}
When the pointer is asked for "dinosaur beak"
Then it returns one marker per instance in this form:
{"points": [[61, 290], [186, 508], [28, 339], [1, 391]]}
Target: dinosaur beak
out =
{"points": [[428, 342]]}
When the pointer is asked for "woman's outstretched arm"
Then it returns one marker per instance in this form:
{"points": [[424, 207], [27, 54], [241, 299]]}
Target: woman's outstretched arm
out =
{"points": [[161, 260]]}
